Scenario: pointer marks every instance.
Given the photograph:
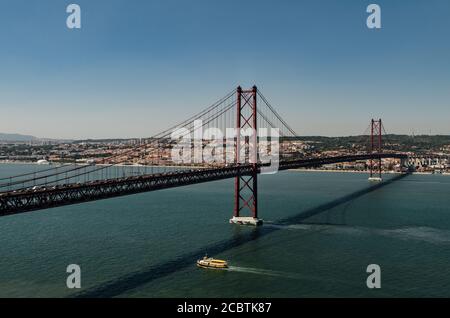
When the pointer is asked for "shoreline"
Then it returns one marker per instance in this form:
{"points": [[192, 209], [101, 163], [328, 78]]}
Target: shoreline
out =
{"points": [[99, 164], [364, 172]]}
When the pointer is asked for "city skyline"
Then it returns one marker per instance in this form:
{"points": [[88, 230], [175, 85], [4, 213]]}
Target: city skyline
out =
{"points": [[132, 71]]}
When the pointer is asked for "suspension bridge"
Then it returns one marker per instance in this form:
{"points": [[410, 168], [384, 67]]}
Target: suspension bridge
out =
{"points": [[236, 155]]}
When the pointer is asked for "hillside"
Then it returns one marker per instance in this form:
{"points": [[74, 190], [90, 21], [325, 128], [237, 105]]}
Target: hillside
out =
{"points": [[17, 137], [417, 144]]}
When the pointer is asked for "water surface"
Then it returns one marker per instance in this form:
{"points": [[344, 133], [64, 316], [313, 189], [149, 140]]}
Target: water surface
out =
{"points": [[321, 231]]}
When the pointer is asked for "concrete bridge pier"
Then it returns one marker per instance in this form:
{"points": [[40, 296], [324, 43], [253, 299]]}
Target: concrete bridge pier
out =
{"points": [[246, 220]]}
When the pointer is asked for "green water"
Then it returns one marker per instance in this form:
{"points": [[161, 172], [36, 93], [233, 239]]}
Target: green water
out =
{"points": [[321, 232]]}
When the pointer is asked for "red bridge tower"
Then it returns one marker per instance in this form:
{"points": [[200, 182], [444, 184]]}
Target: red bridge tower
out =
{"points": [[246, 149], [375, 148]]}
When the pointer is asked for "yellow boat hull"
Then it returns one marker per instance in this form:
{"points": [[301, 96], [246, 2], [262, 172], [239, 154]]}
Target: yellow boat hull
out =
{"points": [[212, 263]]}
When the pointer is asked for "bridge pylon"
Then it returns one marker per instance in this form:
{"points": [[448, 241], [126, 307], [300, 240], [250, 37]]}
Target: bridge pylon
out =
{"points": [[376, 127], [246, 148]]}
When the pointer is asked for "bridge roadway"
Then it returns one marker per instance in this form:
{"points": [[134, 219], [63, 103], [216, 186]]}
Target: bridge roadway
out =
{"points": [[31, 200]]}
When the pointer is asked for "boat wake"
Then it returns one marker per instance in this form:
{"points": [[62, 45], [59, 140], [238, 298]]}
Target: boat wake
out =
{"points": [[266, 272], [305, 226], [417, 233], [420, 233]]}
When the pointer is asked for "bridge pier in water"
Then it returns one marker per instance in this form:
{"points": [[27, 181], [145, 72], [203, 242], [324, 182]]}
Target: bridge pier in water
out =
{"points": [[246, 186]]}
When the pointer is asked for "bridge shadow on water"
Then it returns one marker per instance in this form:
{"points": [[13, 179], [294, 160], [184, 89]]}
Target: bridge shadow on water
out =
{"points": [[133, 280], [295, 219]]}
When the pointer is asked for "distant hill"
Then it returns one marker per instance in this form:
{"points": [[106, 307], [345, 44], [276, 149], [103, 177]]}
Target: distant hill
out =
{"points": [[17, 137], [417, 144]]}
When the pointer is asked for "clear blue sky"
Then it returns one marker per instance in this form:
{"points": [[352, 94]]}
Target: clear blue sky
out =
{"points": [[137, 67]]}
